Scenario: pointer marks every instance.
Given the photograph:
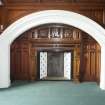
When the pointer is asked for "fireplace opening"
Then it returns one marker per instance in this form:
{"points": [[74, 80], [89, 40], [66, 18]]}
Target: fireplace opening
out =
{"points": [[54, 65]]}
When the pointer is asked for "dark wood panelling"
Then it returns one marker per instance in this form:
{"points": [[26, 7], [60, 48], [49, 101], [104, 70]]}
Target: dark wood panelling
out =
{"points": [[35, 1], [97, 15], [94, 14], [85, 52], [104, 18], [13, 15], [90, 70], [20, 61], [76, 64], [15, 9], [33, 64], [57, 1], [0, 18], [0, 14], [24, 49]]}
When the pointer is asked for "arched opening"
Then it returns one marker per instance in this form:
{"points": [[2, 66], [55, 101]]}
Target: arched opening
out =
{"points": [[55, 52], [44, 17]]}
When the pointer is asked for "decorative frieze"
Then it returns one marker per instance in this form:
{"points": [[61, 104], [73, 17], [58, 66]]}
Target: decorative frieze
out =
{"points": [[56, 31]]}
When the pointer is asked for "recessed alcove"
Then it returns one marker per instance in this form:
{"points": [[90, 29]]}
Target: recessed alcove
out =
{"points": [[54, 65], [55, 52]]}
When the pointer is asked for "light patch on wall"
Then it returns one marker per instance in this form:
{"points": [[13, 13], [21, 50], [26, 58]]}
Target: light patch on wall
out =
{"points": [[43, 65], [1, 2], [67, 65]]}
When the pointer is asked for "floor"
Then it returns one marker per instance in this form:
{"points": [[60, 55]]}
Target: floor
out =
{"points": [[52, 93]]}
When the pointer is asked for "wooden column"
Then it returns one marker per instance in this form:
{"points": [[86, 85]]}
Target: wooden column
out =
{"points": [[33, 64], [76, 64]]}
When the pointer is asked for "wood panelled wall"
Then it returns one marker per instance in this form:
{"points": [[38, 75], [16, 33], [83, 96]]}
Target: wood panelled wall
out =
{"points": [[14, 9], [90, 59], [0, 15], [94, 9], [24, 50], [85, 55], [20, 61]]}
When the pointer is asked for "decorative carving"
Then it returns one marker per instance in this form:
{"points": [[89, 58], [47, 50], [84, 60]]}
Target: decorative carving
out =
{"points": [[68, 33], [35, 34], [43, 32], [56, 31]]}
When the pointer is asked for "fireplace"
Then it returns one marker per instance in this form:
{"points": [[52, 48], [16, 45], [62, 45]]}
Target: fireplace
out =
{"points": [[55, 65]]}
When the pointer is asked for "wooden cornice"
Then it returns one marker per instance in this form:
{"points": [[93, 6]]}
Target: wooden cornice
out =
{"points": [[55, 6], [80, 3]]}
